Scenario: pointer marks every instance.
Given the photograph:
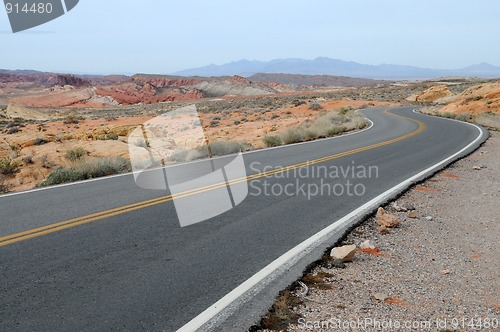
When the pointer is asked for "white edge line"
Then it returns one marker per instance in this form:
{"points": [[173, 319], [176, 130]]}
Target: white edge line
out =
{"points": [[64, 6], [220, 305], [181, 164]]}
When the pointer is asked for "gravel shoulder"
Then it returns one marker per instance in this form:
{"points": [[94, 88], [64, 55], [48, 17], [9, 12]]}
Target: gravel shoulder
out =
{"points": [[438, 271]]}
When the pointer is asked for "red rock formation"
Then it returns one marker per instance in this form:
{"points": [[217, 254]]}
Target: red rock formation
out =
{"points": [[140, 92]]}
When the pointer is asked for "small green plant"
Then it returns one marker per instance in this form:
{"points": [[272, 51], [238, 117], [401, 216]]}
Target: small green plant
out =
{"points": [[44, 160], [315, 106], [28, 160], [221, 148], [90, 169], [462, 117], [41, 141], [71, 119], [336, 130], [8, 166], [272, 140], [75, 154], [345, 110], [292, 135], [108, 137]]}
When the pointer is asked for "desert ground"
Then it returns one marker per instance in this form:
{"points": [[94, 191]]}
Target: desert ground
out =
{"points": [[53, 125], [436, 271]]}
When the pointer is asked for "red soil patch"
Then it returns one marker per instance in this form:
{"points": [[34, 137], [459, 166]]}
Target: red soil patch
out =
{"points": [[450, 176], [477, 256], [428, 190], [396, 301], [369, 251]]}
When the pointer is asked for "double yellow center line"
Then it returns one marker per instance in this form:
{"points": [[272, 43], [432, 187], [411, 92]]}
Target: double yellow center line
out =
{"points": [[36, 232]]}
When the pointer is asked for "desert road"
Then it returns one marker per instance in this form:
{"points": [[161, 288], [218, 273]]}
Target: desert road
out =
{"points": [[106, 255]]}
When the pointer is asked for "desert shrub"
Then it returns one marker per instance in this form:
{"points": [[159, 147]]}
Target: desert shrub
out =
{"points": [[237, 122], [90, 169], [179, 156], [3, 188], [44, 160], [222, 148], [311, 133], [292, 135], [298, 102], [336, 130], [13, 131], [71, 119], [274, 116], [345, 110], [108, 137], [462, 117], [214, 123], [339, 118], [315, 106], [75, 154], [447, 115], [41, 141], [489, 120], [28, 159], [272, 140], [219, 148], [8, 166]]}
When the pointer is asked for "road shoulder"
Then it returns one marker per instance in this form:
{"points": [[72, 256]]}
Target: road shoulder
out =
{"points": [[438, 268]]}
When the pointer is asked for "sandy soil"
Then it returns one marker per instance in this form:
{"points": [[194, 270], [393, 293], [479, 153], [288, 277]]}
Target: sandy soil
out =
{"points": [[437, 272], [247, 125]]}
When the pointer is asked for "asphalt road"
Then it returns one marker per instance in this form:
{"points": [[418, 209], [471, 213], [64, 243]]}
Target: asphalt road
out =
{"points": [[139, 270]]}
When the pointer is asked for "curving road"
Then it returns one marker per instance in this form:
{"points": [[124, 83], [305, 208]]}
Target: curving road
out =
{"points": [[107, 255]]}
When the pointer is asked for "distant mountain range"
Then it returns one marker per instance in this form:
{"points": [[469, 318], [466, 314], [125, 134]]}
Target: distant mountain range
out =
{"points": [[327, 66]]}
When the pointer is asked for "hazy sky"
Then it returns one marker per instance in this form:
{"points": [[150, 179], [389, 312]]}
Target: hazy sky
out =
{"points": [[163, 36]]}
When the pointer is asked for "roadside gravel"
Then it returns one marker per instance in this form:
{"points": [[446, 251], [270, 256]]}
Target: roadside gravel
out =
{"points": [[439, 271]]}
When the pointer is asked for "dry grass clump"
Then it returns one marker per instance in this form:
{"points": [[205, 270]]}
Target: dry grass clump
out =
{"points": [[87, 169], [489, 120], [328, 124], [281, 314], [75, 154], [218, 148]]}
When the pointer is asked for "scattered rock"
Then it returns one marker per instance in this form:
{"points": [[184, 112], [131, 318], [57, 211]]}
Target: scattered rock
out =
{"points": [[337, 263], [386, 219], [383, 230], [366, 245], [399, 208], [445, 272], [412, 214], [344, 253], [428, 218], [380, 296], [477, 168], [409, 207]]}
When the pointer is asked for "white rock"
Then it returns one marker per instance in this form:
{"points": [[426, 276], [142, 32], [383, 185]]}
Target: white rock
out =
{"points": [[428, 218], [380, 296], [367, 245], [344, 253]]}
